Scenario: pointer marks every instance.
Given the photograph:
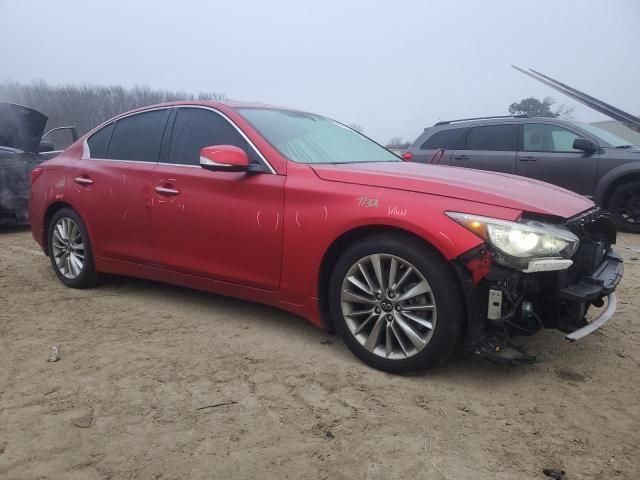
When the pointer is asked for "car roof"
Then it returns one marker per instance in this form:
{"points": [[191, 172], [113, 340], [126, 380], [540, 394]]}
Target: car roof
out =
{"points": [[499, 120], [212, 103]]}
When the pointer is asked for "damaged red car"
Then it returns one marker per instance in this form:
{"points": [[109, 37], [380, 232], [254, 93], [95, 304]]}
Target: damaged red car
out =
{"points": [[407, 262]]}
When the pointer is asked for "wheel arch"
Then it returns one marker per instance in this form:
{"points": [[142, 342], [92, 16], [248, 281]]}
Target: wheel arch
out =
{"points": [[52, 209], [613, 179], [342, 242]]}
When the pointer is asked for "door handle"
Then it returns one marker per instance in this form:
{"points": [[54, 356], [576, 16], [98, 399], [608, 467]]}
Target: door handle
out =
{"points": [[528, 159], [83, 180], [163, 190], [461, 157]]}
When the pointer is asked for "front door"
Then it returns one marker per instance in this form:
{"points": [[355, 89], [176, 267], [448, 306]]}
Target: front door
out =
{"points": [[489, 147], [222, 225], [547, 154]]}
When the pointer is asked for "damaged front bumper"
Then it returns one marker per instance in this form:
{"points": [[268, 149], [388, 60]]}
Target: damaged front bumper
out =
{"points": [[602, 282], [504, 302]]}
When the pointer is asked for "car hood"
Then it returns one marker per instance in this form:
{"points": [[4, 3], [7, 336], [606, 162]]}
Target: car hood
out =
{"points": [[21, 127], [498, 189]]}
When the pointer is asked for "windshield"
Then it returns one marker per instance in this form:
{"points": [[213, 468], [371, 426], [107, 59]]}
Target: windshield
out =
{"points": [[607, 137], [308, 138]]}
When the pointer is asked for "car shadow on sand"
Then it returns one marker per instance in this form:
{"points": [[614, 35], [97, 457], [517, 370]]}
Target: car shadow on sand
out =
{"points": [[548, 345]]}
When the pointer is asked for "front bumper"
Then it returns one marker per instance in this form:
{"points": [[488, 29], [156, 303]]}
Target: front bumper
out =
{"points": [[528, 302], [503, 302]]}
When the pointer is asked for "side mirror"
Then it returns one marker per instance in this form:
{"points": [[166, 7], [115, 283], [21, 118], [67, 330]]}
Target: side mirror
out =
{"points": [[224, 158], [46, 146], [585, 145]]}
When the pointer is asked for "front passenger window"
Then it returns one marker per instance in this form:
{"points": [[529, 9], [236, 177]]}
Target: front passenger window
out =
{"points": [[541, 137], [196, 128]]}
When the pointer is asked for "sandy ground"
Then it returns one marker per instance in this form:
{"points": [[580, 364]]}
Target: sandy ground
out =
{"points": [[140, 360]]}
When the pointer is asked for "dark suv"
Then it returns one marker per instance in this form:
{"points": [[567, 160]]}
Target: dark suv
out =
{"points": [[576, 156]]}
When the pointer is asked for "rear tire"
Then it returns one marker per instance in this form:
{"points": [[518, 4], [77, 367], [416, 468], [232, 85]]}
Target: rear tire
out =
{"points": [[624, 206], [413, 321], [70, 250]]}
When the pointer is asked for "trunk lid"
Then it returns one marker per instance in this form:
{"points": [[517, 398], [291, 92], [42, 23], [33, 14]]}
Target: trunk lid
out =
{"points": [[21, 127]]}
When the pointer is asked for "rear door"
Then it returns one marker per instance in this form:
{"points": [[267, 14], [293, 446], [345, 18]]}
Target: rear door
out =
{"points": [[547, 154], [223, 225], [114, 185], [489, 147]]}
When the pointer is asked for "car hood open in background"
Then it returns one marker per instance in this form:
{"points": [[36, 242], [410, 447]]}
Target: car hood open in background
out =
{"points": [[21, 127], [498, 189]]}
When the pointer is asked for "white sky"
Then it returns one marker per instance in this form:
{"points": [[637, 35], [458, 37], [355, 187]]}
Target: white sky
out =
{"points": [[393, 67]]}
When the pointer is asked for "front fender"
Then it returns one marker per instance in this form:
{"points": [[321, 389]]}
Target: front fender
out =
{"points": [[319, 212]]}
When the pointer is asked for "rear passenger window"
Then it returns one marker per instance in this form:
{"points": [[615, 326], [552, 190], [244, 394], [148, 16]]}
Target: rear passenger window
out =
{"points": [[493, 137], [448, 139], [99, 141], [138, 137], [196, 128]]}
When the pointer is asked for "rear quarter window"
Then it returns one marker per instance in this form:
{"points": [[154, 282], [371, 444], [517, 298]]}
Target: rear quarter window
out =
{"points": [[99, 142], [450, 139]]}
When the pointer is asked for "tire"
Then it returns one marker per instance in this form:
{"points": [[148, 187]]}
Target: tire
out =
{"points": [[624, 206], [356, 320], [70, 250]]}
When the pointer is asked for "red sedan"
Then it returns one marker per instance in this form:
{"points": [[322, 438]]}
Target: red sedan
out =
{"points": [[296, 210]]}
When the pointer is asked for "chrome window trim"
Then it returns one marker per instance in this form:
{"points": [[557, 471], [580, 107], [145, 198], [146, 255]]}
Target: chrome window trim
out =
{"points": [[86, 153]]}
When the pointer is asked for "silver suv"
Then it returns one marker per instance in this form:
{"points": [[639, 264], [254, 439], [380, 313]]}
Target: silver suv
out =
{"points": [[577, 156]]}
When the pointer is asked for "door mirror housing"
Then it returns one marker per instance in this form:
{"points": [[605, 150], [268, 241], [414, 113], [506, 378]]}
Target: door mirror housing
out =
{"points": [[585, 145], [224, 158]]}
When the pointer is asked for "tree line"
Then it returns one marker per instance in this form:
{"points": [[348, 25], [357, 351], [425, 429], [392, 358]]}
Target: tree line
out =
{"points": [[86, 106]]}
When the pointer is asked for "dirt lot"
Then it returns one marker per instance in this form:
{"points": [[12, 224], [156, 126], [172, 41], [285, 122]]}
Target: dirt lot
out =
{"points": [[141, 359]]}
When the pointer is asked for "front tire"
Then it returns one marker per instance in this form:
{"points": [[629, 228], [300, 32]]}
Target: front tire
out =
{"points": [[70, 250], [396, 303], [624, 206]]}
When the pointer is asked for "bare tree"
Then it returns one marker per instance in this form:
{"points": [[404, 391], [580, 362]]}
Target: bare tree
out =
{"points": [[398, 144], [86, 106]]}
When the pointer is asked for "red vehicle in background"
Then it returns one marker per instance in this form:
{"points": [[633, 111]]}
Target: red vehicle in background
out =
{"points": [[291, 209]]}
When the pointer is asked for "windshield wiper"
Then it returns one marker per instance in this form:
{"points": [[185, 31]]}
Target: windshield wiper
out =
{"points": [[624, 146]]}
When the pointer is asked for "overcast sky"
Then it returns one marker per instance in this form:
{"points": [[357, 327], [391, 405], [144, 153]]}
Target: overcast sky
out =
{"points": [[392, 67]]}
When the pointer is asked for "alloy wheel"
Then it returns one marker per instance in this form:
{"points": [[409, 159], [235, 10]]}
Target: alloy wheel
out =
{"points": [[628, 206], [68, 248], [388, 306]]}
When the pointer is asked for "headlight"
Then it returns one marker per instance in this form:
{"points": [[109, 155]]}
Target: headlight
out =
{"points": [[516, 243]]}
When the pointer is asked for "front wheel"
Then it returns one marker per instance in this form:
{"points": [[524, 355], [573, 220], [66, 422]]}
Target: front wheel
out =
{"points": [[624, 206], [396, 303]]}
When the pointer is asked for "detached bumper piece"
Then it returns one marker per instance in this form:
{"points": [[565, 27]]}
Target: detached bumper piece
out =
{"points": [[598, 322]]}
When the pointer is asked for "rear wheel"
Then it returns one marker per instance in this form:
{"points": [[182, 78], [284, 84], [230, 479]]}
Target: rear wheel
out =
{"points": [[70, 250], [624, 206], [396, 303]]}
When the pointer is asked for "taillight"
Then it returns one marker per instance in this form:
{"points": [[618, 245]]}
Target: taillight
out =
{"points": [[407, 156], [35, 173]]}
